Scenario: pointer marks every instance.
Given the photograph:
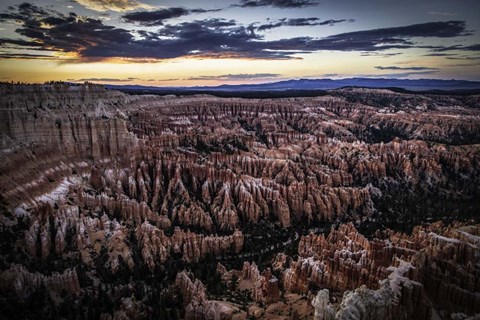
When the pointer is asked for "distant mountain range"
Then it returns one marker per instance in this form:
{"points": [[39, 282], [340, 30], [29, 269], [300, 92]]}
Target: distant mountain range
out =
{"points": [[322, 84]]}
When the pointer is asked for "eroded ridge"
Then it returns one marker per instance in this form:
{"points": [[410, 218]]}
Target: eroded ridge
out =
{"points": [[197, 207]]}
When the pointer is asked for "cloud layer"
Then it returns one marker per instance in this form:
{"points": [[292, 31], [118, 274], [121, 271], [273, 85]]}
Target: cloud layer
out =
{"points": [[158, 17], [92, 39]]}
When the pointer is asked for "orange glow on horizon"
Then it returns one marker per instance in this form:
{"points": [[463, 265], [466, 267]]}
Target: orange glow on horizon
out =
{"points": [[195, 70]]}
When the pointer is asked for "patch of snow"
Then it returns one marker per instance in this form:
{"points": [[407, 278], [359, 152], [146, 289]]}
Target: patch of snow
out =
{"points": [[59, 192], [475, 239], [21, 212], [442, 238]]}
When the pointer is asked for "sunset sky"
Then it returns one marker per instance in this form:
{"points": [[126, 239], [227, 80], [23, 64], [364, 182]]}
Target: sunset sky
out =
{"points": [[176, 43]]}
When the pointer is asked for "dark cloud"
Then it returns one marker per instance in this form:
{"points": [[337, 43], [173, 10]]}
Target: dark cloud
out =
{"points": [[464, 65], [441, 29], [52, 30], [210, 38], [438, 54], [276, 3], [20, 42], [211, 27], [405, 68], [389, 38], [23, 13], [91, 39], [157, 18], [152, 18], [330, 75], [203, 10], [380, 54], [203, 38], [241, 76], [473, 47], [299, 22]]}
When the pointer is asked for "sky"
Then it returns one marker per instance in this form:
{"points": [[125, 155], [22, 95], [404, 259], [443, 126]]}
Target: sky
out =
{"points": [[196, 42]]}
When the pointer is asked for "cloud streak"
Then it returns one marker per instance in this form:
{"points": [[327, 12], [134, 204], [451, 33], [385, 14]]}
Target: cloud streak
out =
{"points": [[300, 22], [406, 68], [473, 47], [103, 79], [400, 74], [276, 3], [388, 38], [113, 5], [28, 56], [233, 77], [462, 57], [442, 13]]}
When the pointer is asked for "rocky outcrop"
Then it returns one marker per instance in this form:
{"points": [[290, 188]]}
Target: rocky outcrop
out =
{"points": [[302, 161], [397, 298], [415, 266], [323, 308], [157, 247], [265, 287], [50, 228], [128, 210], [54, 96], [57, 127], [19, 281], [338, 262], [197, 306]]}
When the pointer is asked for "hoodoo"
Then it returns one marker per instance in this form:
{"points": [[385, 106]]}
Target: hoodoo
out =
{"points": [[352, 205]]}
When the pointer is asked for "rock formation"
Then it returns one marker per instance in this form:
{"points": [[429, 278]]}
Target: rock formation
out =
{"points": [[323, 309], [157, 247], [106, 198], [407, 271], [197, 306], [20, 282]]}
